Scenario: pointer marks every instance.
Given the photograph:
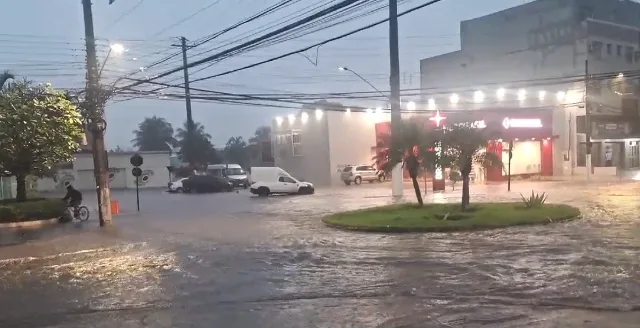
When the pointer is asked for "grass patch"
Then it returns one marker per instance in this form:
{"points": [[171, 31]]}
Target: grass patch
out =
{"points": [[31, 210], [448, 217]]}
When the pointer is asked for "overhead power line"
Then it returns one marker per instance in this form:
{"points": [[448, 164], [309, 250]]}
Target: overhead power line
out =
{"points": [[307, 19], [342, 36]]}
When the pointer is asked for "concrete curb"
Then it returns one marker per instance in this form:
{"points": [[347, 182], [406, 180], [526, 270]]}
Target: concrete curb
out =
{"points": [[29, 224]]}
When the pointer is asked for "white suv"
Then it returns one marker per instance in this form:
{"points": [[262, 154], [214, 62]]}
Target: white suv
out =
{"points": [[358, 173]]}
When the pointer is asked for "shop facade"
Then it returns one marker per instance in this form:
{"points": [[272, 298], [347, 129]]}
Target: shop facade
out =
{"points": [[530, 133]]}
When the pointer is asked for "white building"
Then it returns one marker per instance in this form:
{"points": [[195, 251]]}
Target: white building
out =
{"points": [[81, 174], [544, 46], [314, 145]]}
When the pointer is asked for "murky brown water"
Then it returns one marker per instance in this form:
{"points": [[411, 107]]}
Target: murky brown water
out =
{"points": [[275, 265]]}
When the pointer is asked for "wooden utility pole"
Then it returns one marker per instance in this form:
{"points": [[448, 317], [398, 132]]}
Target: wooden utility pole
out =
{"points": [[394, 80], [187, 98], [95, 119]]}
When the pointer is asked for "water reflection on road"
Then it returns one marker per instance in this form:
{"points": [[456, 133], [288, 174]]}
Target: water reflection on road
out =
{"points": [[271, 263]]}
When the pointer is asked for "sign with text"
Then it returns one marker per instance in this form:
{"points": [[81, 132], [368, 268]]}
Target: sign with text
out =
{"points": [[508, 123]]}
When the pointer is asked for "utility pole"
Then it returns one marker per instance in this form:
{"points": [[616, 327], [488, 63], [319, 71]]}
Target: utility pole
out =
{"points": [[95, 119], [587, 118], [187, 98], [397, 187]]}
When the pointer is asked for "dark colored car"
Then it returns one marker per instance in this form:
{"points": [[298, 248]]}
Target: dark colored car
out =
{"points": [[206, 183]]}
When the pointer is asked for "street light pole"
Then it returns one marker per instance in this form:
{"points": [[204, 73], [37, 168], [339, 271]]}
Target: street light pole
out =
{"points": [[344, 68], [394, 79], [95, 120]]}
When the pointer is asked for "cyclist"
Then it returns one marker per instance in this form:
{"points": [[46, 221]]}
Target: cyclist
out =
{"points": [[73, 197]]}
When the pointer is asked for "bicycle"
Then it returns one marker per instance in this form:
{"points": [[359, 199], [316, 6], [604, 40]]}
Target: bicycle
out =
{"points": [[80, 213]]}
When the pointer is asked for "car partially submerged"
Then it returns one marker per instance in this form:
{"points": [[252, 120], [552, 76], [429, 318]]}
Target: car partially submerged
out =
{"points": [[206, 183], [176, 186]]}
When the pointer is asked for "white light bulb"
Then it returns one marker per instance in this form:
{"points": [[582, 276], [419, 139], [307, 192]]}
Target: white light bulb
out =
{"points": [[522, 94], [319, 114], [432, 104], [454, 98], [501, 93], [411, 105], [292, 118], [348, 111], [279, 120], [560, 95], [478, 96], [378, 110], [304, 117], [369, 111], [542, 94]]}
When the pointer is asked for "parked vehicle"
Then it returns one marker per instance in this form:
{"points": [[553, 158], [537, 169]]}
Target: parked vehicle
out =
{"points": [[358, 173], [176, 186], [233, 172], [274, 180], [206, 183]]}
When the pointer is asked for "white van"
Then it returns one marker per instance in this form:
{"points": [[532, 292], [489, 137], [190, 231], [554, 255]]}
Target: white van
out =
{"points": [[274, 180], [233, 172]]}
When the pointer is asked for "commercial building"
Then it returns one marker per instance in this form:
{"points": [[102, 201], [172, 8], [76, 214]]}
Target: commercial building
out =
{"points": [[539, 55]]}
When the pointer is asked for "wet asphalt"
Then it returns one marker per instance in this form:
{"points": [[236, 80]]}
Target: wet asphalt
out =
{"points": [[232, 260]]}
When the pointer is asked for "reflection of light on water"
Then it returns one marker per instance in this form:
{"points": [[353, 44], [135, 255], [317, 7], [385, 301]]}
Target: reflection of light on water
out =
{"points": [[439, 198], [122, 277]]}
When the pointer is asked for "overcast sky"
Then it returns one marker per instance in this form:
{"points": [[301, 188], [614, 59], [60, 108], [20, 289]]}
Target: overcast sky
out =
{"points": [[42, 40]]}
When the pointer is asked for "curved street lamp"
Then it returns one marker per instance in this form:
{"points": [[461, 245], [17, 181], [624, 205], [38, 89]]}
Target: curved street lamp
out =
{"points": [[344, 68]]}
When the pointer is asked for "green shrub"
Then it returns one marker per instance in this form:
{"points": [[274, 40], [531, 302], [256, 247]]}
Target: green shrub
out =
{"points": [[31, 210], [535, 200]]}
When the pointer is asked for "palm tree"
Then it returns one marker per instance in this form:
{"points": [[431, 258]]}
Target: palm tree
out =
{"points": [[199, 150], [154, 134], [235, 150], [198, 130], [463, 145], [409, 145]]}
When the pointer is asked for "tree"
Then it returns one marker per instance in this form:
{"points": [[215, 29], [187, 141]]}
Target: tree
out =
{"points": [[235, 151], [463, 145], [154, 134], [262, 133], [4, 78], [412, 147], [39, 127], [199, 151]]}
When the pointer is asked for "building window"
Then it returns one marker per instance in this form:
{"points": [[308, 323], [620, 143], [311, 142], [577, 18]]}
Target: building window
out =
{"points": [[629, 55], [296, 144], [619, 51], [596, 49], [636, 56], [581, 124], [609, 49]]}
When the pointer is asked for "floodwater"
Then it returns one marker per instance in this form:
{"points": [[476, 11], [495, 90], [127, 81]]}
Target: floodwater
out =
{"points": [[231, 261]]}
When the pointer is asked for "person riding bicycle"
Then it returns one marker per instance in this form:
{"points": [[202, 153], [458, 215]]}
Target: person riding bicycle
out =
{"points": [[73, 197]]}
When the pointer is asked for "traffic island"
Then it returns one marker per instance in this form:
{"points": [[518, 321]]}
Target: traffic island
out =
{"points": [[34, 212], [449, 217]]}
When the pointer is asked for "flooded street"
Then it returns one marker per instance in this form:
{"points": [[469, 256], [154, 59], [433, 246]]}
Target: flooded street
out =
{"points": [[229, 260]]}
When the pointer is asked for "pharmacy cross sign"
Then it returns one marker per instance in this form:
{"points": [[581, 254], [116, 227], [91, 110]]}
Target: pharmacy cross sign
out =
{"points": [[437, 118]]}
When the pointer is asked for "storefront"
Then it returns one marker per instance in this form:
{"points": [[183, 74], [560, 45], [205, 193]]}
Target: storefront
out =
{"points": [[530, 133]]}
